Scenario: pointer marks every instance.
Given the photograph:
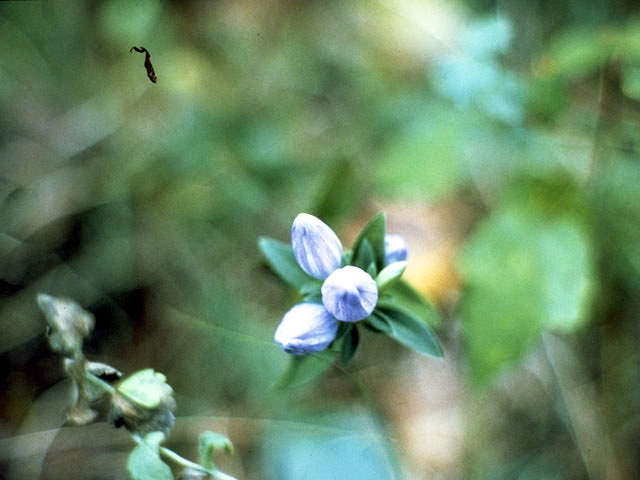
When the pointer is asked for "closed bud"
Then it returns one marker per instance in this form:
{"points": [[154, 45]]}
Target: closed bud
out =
{"points": [[306, 328], [350, 294], [395, 248], [316, 247]]}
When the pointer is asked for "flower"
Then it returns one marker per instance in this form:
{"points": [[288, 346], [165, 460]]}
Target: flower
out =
{"points": [[306, 328], [350, 294], [316, 247], [395, 248]]}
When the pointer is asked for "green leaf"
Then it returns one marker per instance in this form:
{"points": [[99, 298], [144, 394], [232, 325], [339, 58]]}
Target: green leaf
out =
{"points": [[305, 368], [577, 53], [372, 270], [409, 329], [279, 256], [390, 275], [374, 233], [208, 443], [144, 462], [145, 387], [424, 159], [365, 255], [525, 270], [350, 345], [405, 296], [378, 323]]}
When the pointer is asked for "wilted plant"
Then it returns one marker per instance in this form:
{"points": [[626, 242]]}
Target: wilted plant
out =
{"points": [[142, 402]]}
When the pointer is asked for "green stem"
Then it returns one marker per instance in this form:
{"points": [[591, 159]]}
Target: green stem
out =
{"points": [[98, 382], [174, 457]]}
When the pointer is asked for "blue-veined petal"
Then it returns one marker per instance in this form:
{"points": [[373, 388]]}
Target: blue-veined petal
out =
{"points": [[316, 247], [306, 328], [395, 248], [350, 294]]}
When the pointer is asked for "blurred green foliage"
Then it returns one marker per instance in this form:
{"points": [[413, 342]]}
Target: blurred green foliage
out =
{"points": [[143, 202]]}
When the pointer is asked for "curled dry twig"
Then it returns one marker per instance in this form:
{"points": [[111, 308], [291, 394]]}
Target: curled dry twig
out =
{"points": [[147, 62]]}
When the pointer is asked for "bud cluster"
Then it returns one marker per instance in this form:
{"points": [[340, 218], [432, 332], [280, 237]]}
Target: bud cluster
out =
{"points": [[348, 293]]}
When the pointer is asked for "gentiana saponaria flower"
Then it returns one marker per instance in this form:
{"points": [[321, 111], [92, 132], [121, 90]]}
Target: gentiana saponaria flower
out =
{"points": [[344, 291], [306, 328], [395, 248], [349, 293], [316, 247]]}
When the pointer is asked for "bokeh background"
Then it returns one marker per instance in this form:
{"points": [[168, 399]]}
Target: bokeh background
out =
{"points": [[501, 138]]}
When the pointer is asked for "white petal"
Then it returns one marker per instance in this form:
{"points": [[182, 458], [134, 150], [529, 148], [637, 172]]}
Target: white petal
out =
{"points": [[306, 328], [316, 247], [350, 294]]}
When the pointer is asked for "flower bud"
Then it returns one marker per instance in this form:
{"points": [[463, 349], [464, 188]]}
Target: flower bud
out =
{"points": [[350, 294], [306, 328], [316, 247], [395, 248]]}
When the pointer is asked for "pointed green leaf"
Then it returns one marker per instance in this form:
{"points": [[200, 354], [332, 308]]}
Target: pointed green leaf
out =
{"points": [[390, 275], [409, 330], [374, 232], [305, 368], [208, 443], [377, 323], [365, 256], [279, 256], [406, 297]]}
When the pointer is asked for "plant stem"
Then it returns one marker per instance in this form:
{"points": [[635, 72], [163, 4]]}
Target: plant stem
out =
{"points": [[98, 382], [214, 472]]}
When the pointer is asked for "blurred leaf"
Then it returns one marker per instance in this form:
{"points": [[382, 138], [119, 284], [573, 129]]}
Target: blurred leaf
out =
{"points": [[374, 232], [424, 160], [408, 329], [547, 97], [208, 443], [631, 81], [339, 193], [474, 77], [350, 345], [279, 256], [487, 37], [305, 368], [524, 271], [144, 461], [121, 19], [576, 53], [616, 203]]}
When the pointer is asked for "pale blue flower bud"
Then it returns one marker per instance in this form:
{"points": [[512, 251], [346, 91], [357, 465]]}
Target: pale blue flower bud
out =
{"points": [[316, 247], [395, 248], [350, 294], [306, 328]]}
